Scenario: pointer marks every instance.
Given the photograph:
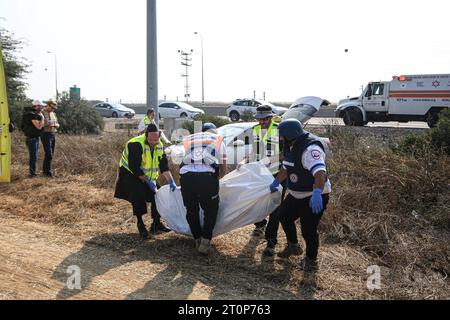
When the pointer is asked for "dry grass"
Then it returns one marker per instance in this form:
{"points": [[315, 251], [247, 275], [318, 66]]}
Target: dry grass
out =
{"points": [[394, 207], [386, 209]]}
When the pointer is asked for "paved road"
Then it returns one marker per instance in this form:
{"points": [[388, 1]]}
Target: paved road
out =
{"points": [[391, 124]]}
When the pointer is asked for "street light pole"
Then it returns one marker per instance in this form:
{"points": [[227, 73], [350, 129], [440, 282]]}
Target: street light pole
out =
{"points": [[56, 74], [203, 71], [152, 59]]}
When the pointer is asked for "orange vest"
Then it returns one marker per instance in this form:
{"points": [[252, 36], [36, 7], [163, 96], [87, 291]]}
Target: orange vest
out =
{"points": [[202, 148]]}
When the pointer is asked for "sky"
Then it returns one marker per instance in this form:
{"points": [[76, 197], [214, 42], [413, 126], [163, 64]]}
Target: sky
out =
{"points": [[286, 48]]}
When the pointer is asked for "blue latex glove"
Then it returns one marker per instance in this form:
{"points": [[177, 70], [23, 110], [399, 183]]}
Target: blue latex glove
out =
{"points": [[173, 185], [274, 186], [316, 202], [151, 185]]}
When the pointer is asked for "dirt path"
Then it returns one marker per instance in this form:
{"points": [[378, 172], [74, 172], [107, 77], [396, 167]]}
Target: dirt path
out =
{"points": [[35, 259]]}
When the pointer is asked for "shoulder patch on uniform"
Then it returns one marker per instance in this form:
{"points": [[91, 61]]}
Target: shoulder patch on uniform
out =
{"points": [[316, 154], [293, 178]]}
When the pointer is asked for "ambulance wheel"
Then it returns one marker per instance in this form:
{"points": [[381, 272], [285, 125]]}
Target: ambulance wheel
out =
{"points": [[353, 117], [432, 118]]}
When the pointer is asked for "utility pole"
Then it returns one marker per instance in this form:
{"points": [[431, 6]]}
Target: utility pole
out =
{"points": [[152, 59], [56, 74], [186, 59], [203, 71]]}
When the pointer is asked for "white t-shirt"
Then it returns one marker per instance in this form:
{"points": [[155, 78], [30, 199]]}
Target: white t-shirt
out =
{"points": [[205, 167], [313, 159]]}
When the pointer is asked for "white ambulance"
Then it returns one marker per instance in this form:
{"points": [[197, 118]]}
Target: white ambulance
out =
{"points": [[405, 98]]}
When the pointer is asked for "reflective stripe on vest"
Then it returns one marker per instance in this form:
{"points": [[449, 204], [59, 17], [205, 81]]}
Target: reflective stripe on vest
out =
{"points": [[270, 141], [202, 148], [149, 164]]}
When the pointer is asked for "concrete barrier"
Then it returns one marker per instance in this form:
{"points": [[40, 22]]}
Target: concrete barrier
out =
{"points": [[327, 112]]}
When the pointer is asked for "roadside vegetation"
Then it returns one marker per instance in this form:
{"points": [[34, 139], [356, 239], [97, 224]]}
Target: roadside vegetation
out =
{"points": [[388, 208], [435, 140], [205, 118]]}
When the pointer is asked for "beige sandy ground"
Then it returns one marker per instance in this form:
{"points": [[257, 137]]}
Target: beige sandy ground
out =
{"points": [[37, 248]]}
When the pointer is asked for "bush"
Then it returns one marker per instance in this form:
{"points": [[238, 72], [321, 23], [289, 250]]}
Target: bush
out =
{"points": [[438, 138], [414, 143], [218, 121], [77, 117], [248, 116], [440, 135]]}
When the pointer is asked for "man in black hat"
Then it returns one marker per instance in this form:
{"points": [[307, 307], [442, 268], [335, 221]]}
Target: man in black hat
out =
{"points": [[142, 160], [266, 144]]}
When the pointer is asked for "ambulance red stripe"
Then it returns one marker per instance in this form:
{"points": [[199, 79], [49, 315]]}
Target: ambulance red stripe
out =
{"points": [[411, 95]]}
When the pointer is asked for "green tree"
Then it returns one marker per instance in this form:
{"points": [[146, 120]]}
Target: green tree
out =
{"points": [[77, 117], [16, 67]]}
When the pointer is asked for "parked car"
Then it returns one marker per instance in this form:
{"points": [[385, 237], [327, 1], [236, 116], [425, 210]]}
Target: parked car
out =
{"points": [[236, 110], [169, 109], [114, 110], [238, 139]]}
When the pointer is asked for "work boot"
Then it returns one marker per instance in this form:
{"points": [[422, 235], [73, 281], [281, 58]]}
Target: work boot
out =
{"points": [[142, 231], [269, 251], [157, 227], [309, 264], [197, 243], [204, 247], [291, 249], [258, 232]]}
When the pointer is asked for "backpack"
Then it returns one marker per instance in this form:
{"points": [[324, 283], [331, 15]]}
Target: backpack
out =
{"points": [[27, 126]]}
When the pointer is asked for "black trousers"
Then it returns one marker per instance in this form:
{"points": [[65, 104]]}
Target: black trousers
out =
{"points": [[136, 192], [274, 221], [291, 210], [49, 142], [201, 189], [155, 214]]}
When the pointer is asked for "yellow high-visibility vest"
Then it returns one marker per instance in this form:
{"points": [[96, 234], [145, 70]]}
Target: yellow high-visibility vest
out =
{"points": [[269, 145], [149, 164], [147, 121]]}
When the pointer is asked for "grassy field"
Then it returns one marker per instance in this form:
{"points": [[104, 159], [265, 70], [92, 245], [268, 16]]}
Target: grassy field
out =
{"points": [[386, 209]]}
